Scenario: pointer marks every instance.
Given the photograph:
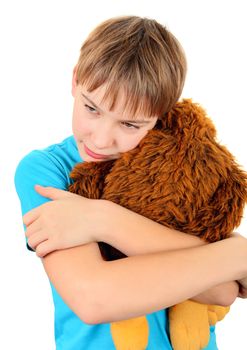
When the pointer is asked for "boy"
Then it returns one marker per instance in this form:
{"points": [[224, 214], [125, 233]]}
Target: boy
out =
{"points": [[130, 72]]}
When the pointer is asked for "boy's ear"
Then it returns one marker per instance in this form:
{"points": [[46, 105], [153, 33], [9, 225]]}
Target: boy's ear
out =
{"points": [[74, 81]]}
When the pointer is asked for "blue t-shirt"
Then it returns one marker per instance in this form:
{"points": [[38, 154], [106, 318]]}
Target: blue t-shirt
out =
{"points": [[51, 167]]}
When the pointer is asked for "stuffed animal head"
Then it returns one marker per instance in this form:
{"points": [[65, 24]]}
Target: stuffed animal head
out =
{"points": [[179, 176]]}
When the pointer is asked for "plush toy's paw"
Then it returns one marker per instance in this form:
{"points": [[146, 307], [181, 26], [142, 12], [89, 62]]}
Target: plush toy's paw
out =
{"points": [[189, 326], [216, 313], [130, 334]]}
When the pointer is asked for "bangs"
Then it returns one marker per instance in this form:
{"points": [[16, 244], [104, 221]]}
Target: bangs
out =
{"points": [[140, 98]]}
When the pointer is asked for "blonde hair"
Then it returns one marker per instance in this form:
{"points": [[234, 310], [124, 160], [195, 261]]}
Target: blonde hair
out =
{"points": [[136, 54]]}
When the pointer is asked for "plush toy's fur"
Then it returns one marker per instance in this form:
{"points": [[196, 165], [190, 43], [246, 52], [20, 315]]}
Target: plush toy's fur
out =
{"points": [[181, 177]]}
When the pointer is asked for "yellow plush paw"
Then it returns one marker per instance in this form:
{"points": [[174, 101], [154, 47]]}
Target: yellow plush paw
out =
{"points": [[189, 326], [216, 313], [130, 334]]}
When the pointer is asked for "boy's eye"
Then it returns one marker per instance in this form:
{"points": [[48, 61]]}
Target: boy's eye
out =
{"points": [[90, 108], [126, 124], [130, 126]]}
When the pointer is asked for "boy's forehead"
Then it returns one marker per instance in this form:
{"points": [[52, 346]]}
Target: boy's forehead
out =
{"points": [[97, 98]]}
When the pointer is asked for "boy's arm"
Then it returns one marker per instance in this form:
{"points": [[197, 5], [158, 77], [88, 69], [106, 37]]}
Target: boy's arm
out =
{"points": [[134, 234], [37, 168], [72, 220], [224, 294], [99, 291], [125, 228]]}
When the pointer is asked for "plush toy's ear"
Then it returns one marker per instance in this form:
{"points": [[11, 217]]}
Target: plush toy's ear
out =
{"points": [[89, 178], [211, 188], [187, 119], [221, 192]]}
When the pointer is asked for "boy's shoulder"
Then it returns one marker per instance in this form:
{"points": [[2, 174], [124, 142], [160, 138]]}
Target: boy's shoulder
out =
{"points": [[62, 151], [52, 164], [67, 146], [63, 154]]}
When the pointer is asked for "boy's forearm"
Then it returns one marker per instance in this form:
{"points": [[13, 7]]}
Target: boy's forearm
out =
{"points": [[134, 234], [185, 273], [99, 291]]}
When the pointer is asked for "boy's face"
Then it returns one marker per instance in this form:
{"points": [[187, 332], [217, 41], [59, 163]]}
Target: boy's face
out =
{"points": [[102, 134]]}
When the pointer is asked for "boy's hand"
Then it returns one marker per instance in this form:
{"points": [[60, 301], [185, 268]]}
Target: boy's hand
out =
{"points": [[67, 221]]}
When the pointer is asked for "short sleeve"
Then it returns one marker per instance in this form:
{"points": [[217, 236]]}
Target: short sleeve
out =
{"points": [[40, 168]]}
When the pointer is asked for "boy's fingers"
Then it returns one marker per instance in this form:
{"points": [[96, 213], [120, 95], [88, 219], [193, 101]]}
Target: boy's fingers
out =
{"points": [[36, 239], [33, 228], [30, 216], [43, 249], [51, 192]]}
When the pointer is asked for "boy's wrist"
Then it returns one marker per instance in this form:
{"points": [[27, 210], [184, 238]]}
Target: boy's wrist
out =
{"points": [[241, 249], [104, 218], [114, 219]]}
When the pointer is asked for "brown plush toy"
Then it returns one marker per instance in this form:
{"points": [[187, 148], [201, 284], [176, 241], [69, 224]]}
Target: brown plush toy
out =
{"points": [[181, 177]]}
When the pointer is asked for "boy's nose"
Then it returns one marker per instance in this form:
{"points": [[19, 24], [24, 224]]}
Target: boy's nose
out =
{"points": [[102, 139]]}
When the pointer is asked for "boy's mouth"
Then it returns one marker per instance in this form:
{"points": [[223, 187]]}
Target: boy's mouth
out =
{"points": [[95, 155]]}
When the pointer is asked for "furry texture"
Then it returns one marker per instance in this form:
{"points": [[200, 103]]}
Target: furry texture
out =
{"points": [[179, 176]]}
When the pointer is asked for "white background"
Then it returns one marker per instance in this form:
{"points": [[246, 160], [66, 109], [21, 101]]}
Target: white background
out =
{"points": [[39, 46]]}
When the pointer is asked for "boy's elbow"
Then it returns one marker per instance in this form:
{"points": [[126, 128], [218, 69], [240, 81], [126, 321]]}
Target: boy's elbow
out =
{"points": [[229, 300], [89, 306], [230, 295], [223, 295], [83, 289], [88, 317]]}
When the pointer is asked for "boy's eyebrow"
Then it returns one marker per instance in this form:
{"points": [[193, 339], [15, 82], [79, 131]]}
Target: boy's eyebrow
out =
{"points": [[92, 103], [126, 121]]}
